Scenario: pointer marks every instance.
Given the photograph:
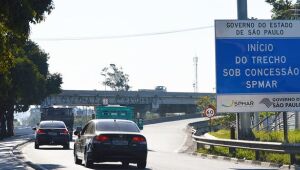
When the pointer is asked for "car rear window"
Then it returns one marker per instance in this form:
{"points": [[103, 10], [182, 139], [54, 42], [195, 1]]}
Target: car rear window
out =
{"points": [[52, 125], [117, 126]]}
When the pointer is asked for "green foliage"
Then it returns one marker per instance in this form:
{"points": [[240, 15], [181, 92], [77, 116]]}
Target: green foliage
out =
{"points": [[223, 133], [277, 158], [245, 154], [281, 9], [30, 79], [274, 136], [263, 115], [53, 83], [205, 101], [28, 84], [225, 121], [115, 78], [267, 136], [38, 56], [15, 19]]}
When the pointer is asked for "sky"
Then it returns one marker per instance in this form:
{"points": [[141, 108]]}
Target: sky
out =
{"points": [[151, 60]]}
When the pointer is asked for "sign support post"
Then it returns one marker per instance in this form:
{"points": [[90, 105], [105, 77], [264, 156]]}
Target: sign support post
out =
{"points": [[285, 127], [286, 134], [243, 120], [210, 124]]}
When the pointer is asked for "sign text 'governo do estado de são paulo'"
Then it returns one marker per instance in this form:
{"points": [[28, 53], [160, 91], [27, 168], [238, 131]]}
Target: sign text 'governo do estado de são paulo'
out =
{"points": [[258, 65]]}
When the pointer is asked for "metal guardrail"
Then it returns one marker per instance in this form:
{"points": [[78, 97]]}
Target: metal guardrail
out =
{"points": [[172, 118], [252, 145]]}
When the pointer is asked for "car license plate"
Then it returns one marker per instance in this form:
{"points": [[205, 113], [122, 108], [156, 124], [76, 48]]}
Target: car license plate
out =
{"points": [[120, 142], [52, 133]]}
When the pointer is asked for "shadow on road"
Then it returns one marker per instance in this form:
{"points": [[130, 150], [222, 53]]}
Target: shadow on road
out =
{"points": [[54, 149], [50, 166], [114, 167], [254, 168]]}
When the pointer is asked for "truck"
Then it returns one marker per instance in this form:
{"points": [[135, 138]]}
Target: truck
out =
{"points": [[64, 114], [118, 112], [156, 89]]}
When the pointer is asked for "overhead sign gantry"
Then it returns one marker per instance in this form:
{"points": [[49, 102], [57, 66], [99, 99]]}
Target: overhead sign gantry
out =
{"points": [[258, 65]]}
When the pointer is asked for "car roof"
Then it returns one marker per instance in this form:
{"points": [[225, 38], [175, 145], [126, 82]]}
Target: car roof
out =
{"points": [[51, 121], [111, 120]]}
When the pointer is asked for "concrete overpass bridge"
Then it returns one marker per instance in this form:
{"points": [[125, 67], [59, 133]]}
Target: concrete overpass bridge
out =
{"points": [[143, 101]]}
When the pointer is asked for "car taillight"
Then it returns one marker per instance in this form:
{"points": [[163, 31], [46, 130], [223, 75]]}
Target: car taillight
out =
{"points": [[102, 138], [64, 132], [139, 139], [40, 131]]}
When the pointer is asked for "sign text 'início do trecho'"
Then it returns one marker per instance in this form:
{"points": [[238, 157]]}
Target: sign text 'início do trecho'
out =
{"points": [[258, 65]]}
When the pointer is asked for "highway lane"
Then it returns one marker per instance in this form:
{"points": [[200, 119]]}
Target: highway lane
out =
{"points": [[165, 141]]}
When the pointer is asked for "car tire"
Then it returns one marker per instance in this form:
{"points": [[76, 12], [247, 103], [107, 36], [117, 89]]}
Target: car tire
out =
{"points": [[125, 164], [36, 145], [76, 160], [87, 162], [142, 164], [66, 146]]}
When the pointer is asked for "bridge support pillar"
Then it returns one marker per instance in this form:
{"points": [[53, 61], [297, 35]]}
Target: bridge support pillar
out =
{"points": [[245, 131]]}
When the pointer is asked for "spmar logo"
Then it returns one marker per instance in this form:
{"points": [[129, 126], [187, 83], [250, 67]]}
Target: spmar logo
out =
{"points": [[266, 101], [247, 103]]}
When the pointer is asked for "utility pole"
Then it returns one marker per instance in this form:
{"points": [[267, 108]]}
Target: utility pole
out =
{"points": [[195, 59], [243, 119]]}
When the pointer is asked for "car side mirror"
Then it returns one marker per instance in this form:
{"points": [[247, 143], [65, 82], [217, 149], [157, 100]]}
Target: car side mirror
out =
{"points": [[34, 128]]}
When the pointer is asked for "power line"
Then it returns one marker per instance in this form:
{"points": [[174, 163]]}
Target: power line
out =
{"points": [[122, 36]]}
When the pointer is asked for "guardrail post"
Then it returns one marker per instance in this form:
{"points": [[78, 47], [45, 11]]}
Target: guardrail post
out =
{"points": [[199, 146], [232, 151], [292, 159], [257, 155]]}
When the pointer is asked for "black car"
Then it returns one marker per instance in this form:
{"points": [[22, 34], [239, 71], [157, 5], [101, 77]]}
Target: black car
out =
{"points": [[110, 140], [52, 133]]}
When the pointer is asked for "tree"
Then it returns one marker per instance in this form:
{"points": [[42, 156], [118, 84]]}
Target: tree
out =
{"points": [[115, 78], [27, 83], [15, 19], [282, 9]]}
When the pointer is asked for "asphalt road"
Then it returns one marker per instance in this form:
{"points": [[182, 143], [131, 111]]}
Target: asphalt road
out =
{"points": [[165, 143]]}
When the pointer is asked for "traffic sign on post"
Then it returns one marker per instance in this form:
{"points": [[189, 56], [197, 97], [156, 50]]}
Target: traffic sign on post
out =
{"points": [[210, 112], [257, 65]]}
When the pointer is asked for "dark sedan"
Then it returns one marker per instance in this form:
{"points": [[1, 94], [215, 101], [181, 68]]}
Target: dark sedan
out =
{"points": [[110, 140], [52, 133]]}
